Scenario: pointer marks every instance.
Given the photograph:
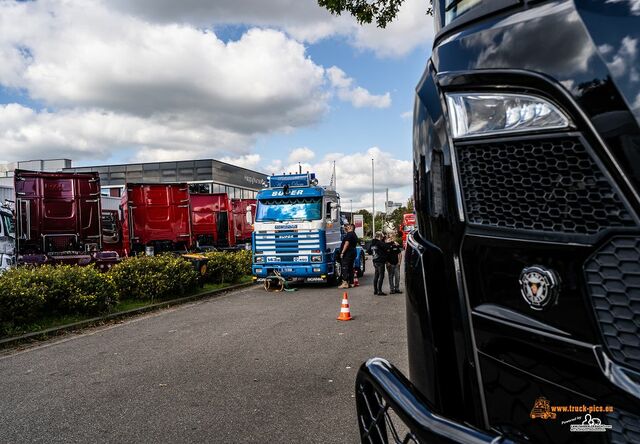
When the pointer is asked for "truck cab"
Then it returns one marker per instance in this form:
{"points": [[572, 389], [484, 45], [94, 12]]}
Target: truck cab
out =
{"points": [[297, 230], [523, 274], [57, 217], [7, 238]]}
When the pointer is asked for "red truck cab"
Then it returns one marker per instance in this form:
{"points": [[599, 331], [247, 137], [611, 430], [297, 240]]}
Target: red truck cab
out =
{"points": [[212, 221], [57, 217], [244, 216], [156, 218]]}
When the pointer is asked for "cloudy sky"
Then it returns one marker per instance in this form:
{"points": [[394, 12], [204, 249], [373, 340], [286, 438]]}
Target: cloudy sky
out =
{"points": [[259, 83]]}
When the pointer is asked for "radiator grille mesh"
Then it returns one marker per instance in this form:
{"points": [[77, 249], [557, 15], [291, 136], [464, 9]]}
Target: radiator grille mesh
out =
{"points": [[548, 184]]}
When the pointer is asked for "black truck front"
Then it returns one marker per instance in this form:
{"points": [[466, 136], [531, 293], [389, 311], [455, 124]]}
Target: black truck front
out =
{"points": [[523, 277]]}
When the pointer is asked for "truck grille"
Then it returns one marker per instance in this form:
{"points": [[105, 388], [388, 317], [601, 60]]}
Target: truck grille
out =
{"points": [[61, 243], [550, 184], [625, 427], [613, 280], [288, 244]]}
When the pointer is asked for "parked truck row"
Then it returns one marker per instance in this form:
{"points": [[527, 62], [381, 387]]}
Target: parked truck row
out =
{"points": [[58, 218]]}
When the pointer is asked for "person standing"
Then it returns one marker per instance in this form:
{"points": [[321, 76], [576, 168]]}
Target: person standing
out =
{"points": [[394, 258], [348, 256], [379, 257]]}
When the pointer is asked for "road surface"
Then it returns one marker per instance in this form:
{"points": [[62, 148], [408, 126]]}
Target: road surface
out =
{"points": [[249, 366]]}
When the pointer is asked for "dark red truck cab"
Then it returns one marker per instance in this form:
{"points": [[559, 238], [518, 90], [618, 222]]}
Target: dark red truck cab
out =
{"points": [[58, 218], [156, 218]]}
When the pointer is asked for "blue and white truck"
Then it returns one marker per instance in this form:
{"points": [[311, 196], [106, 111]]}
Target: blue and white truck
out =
{"points": [[298, 231]]}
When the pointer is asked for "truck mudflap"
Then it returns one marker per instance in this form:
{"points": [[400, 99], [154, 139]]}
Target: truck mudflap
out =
{"points": [[391, 410]]}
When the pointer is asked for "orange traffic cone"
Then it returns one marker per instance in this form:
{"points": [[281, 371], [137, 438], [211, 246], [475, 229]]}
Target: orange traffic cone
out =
{"points": [[356, 283], [345, 313]]}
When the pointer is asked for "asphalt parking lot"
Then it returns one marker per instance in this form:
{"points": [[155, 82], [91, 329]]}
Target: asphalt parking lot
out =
{"points": [[249, 366]]}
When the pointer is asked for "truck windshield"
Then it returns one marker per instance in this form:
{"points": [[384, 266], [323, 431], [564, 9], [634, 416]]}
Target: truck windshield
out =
{"points": [[7, 222], [301, 208], [455, 8]]}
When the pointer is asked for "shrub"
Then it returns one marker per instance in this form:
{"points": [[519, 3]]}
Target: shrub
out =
{"points": [[82, 290], [153, 277], [28, 294], [227, 266], [22, 297]]}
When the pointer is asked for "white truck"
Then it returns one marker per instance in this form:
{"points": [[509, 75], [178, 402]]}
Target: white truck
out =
{"points": [[7, 238]]}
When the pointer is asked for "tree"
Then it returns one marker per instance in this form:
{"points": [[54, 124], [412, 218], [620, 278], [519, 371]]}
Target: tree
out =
{"points": [[365, 11]]}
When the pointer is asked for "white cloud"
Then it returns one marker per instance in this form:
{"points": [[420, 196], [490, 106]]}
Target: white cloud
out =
{"points": [[411, 29], [96, 134], [407, 115], [302, 19], [155, 86], [356, 95], [353, 173], [250, 161], [302, 154]]}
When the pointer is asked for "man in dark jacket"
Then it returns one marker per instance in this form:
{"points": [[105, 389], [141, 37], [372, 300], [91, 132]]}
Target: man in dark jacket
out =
{"points": [[394, 258], [379, 258], [348, 256]]}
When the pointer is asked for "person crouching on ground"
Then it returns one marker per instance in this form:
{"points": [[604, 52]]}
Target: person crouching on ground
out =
{"points": [[379, 254], [394, 258], [348, 256]]}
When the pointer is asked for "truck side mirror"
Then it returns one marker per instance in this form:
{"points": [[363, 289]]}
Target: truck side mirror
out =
{"points": [[334, 213], [248, 216]]}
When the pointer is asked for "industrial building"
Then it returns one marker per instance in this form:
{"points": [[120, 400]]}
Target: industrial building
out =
{"points": [[204, 176]]}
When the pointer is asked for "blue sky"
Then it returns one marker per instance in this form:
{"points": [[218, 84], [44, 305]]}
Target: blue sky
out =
{"points": [[261, 83]]}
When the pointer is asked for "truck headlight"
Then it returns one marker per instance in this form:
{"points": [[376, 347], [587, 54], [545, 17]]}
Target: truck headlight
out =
{"points": [[259, 259], [480, 114], [316, 258]]}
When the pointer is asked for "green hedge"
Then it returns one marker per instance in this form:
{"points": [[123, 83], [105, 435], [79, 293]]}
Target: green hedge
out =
{"points": [[227, 267], [154, 277], [29, 294]]}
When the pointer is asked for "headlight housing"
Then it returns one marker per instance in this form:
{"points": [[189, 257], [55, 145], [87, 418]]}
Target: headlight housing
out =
{"points": [[480, 114], [259, 259], [316, 258]]}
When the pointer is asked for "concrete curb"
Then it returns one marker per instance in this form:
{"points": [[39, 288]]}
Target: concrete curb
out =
{"points": [[43, 334]]}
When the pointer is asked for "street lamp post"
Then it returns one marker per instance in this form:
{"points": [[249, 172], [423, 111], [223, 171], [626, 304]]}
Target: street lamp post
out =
{"points": [[373, 200], [351, 209]]}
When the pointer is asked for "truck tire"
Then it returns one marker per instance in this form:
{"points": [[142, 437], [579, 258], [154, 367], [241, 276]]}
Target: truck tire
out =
{"points": [[335, 279], [362, 267]]}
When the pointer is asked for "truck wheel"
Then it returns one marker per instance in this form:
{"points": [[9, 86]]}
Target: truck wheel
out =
{"points": [[363, 261], [335, 279]]}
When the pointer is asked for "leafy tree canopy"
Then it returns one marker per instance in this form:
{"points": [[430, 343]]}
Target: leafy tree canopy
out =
{"points": [[366, 11]]}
